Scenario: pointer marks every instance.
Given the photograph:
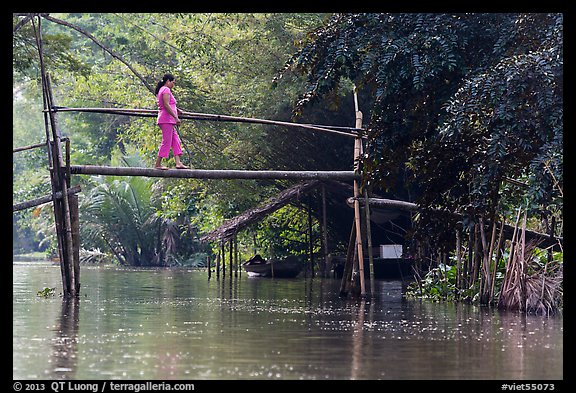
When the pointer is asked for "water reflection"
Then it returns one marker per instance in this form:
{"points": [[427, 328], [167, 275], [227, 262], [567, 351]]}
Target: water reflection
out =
{"points": [[64, 345], [177, 324], [357, 343]]}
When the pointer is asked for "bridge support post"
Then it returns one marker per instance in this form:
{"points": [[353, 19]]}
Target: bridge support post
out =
{"points": [[68, 241], [357, 223], [356, 234]]}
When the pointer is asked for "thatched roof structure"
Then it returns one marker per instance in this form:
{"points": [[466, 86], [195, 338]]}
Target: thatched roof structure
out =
{"points": [[232, 226]]}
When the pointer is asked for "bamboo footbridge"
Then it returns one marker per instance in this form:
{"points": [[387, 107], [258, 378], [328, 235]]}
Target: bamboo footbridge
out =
{"points": [[215, 173], [65, 198]]}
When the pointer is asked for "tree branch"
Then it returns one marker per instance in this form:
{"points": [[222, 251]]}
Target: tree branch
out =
{"points": [[22, 22], [110, 51]]}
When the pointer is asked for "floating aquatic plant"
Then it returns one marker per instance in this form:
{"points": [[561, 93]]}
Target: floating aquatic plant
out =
{"points": [[46, 292]]}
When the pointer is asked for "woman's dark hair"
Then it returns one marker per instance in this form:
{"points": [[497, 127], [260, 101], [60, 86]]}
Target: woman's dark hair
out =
{"points": [[166, 77]]}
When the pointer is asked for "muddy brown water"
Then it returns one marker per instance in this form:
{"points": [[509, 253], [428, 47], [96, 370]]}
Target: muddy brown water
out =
{"points": [[162, 324]]}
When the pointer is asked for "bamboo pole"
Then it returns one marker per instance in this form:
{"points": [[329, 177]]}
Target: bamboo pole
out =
{"points": [[218, 264], [22, 148], [483, 261], [347, 273], [44, 199], [354, 276], [58, 181], [54, 181], [468, 263], [75, 227], [385, 203], [211, 173], [310, 239], [357, 152], [209, 267], [523, 265], [67, 150], [508, 271], [498, 253], [369, 240], [60, 173], [223, 252], [489, 262], [368, 232], [231, 257], [324, 233], [235, 255], [487, 248], [476, 256], [458, 260]]}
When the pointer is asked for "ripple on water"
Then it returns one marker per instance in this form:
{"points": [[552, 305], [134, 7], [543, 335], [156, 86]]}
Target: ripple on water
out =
{"points": [[162, 324]]}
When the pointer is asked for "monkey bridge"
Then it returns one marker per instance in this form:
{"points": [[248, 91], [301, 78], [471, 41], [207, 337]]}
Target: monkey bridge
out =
{"points": [[65, 200]]}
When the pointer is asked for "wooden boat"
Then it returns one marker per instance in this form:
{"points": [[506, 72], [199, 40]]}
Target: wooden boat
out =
{"points": [[288, 267]]}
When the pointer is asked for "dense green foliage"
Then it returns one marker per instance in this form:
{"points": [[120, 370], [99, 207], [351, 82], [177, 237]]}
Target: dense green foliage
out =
{"points": [[466, 118], [224, 64], [460, 109], [462, 102]]}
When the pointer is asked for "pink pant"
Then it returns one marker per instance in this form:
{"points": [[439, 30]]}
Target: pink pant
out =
{"points": [[170, 139]]}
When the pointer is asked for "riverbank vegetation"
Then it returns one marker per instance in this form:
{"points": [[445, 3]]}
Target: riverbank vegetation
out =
{"points": [[467, 115], [464, 117], [224, 64]]}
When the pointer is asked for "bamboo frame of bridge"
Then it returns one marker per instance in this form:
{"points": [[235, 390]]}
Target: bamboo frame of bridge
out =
{"points": [[65, 200]]}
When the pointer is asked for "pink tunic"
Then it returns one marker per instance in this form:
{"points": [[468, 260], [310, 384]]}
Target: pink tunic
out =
{"points": [[163, 115]]}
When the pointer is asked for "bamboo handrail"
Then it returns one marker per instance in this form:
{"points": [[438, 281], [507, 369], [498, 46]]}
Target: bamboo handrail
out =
{"points": [[44, 199], [211, 173], [353, 131], [385, 203], [22, 148]]}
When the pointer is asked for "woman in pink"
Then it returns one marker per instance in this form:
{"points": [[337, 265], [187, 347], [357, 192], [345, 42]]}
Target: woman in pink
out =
{"points": [[168, 120]]}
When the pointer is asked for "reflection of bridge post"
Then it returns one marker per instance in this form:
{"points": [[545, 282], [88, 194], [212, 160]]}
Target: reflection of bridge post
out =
{"points": [[64, 347], [357, 343]]}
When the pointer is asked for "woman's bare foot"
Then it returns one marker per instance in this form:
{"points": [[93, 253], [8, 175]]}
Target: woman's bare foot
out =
{"points": [[181, 166], [161, 167]]}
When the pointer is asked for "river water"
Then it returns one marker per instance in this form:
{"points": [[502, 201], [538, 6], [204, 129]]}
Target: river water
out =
{"points": [[175, 324]]}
